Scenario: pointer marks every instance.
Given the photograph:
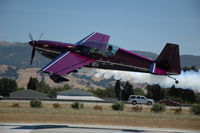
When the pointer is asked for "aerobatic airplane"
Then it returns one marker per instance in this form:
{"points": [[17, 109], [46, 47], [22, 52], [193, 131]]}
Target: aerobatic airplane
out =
{"points": [[94, 51]]}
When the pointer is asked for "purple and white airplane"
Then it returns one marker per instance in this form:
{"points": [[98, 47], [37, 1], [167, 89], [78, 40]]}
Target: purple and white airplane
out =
{"points": [[94, 51]]}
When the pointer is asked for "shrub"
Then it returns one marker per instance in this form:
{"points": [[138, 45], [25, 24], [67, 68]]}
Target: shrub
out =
{"points": [[56, 105], [178, 110], [195, 109], [118, 106], [137, 108], [157, 108], [77, 105], [98, 107], [35, 103], [15, 105]]}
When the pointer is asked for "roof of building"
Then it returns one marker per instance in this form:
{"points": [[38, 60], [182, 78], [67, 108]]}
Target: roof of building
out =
{"points": [[74, 92], [87, 98], [28, 94]]}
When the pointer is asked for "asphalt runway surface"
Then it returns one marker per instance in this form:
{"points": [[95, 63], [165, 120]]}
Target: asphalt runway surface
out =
{"points": [[80, 128]]}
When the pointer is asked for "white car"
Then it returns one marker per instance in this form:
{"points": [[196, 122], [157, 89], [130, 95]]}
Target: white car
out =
{"points": [[136, 99]]}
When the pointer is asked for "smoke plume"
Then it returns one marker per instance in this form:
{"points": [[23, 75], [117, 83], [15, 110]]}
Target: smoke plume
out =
{"points": [[187, 80]]}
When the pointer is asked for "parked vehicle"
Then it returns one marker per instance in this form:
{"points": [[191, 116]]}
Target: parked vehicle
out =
{"points": [[1, 97], [169, 102], [136, 99]]}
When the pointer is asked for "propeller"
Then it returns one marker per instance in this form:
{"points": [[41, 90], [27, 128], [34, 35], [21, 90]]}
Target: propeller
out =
{"points": [[33, 42], [40, 36], [30, 37], [32, 55]]}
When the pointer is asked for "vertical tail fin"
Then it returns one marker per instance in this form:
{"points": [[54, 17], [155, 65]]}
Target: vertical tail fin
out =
{"points": [[169, 59]]}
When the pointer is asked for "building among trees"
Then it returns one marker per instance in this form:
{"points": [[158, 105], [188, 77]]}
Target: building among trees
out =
{"points": [[76, 94], [28, 94]]}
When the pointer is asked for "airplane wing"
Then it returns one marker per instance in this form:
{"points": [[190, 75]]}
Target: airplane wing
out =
{"points": [[66, 63], [95, 40]]}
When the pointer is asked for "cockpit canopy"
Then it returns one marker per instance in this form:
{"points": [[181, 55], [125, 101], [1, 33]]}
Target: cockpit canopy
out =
{"points": [[112, 49], [97, 45], [103, 49]]}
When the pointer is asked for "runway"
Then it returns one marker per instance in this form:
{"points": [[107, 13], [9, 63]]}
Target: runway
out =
{"points": [[80, 128]]}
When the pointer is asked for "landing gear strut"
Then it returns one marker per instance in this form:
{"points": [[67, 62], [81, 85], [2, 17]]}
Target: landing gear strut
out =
{"points": [[176, 81]]}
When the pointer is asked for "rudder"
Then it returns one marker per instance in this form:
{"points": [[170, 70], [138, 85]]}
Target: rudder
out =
{"points": [[169, 59]]}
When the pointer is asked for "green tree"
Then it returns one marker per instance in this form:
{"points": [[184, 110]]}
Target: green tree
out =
{"points": [[197, 98], [193, 68], [43, 87], [33, 83], [20, 88], [52, 92], [128, 90], [7, 86], [155, 92], [138, 91], [98, 92], [65, 87], [195, 109], [188, 95], [117, 89], [186, 68], [110, 92], [181, 95]]}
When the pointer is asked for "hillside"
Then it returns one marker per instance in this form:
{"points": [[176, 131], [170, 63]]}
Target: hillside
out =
{"points": [[18, 55]]}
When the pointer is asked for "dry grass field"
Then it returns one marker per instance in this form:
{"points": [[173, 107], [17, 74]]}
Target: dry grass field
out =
{"points": [[10, 112]]}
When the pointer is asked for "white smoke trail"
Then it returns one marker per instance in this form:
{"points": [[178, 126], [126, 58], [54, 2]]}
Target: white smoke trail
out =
{"points": [[187, 80]]}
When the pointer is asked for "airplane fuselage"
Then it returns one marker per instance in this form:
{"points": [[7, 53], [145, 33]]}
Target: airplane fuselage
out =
{"points": [[121, 60], [95, 51]]}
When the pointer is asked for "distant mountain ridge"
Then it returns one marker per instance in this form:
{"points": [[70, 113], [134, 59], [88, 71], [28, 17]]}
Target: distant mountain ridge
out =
{"points": [[18, 55], [186, 60]]}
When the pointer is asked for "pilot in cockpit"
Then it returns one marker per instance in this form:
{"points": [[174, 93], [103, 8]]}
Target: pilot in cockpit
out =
{"points": [[109, 53]]}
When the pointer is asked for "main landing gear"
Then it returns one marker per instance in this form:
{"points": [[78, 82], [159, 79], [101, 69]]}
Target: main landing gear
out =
{"points": [[58, 78]]}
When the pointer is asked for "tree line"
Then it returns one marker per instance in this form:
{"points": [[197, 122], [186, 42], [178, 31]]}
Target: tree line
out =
{"points": [[8, 86], [120, 91], [190, 68]]}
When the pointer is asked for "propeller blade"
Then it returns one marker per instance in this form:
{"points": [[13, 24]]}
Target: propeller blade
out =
{"points": [[30, 36], [32, 55], [41, 36]]}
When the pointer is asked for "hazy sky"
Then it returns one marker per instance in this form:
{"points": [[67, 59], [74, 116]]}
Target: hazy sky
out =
{"points": [[132, 24]]}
